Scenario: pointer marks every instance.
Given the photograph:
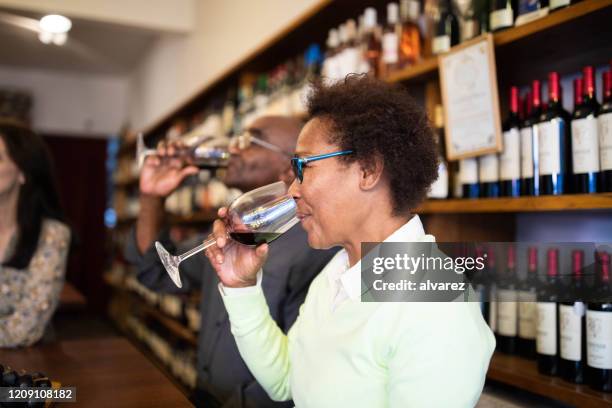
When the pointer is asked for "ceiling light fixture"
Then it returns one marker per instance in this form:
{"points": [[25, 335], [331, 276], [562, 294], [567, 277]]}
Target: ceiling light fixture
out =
{"points": [[54, 29]]}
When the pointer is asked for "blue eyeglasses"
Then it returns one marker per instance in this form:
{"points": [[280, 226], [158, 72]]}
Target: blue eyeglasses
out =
{"points": [[297, 163]]}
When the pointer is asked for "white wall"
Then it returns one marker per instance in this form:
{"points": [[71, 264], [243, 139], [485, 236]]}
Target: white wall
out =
{"points": [[178, 66], [166, 15], [70, 103]]}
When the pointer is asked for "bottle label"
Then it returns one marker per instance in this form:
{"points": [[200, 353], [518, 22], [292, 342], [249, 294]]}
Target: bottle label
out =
{"points": [[351, 61], [510, 158], [501, 18], [493, 316], [549, 147], [605, 140], [570, 323], [585, 145], [507, 312], [526, 153], [488, 168], [439, 188], [554, 4], [546, 339], [469, 171], [390, 47], [599, 339], [441, 44], [527, 315]]}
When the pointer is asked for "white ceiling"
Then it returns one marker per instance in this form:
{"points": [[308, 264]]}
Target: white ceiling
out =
{"points": [[92, 46]]}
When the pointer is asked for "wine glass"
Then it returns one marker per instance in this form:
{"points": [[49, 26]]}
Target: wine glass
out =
{"points": [[257, 217], [204, 151]]}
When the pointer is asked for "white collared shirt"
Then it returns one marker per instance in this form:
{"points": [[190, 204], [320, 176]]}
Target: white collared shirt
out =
{"points": [[345, 281]]}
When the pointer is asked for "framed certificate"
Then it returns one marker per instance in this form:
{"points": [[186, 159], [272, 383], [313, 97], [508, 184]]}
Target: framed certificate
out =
{"points": [[468, 82]]}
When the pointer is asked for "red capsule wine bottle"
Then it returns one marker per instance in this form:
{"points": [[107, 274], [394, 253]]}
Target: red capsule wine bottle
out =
{"points": [[572, 325], [547, 338], [599, 328], [585, 141], [510, 157], [527, 297], [507, 306], [604, 122], [529, 143], [554, 143]]}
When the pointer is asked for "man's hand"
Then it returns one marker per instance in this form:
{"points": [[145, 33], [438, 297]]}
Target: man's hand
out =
{"points": [[162, 174], [236, 265]]}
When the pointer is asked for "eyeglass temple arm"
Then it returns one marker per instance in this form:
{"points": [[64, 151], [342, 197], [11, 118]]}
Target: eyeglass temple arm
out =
{"points": [[267, 145], [325, 156]]}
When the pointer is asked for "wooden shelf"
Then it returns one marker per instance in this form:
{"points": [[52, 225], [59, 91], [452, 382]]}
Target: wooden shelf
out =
{"points": [[553, 19], [174, 326], [201, 217], [429, 67], [426, 68], [570, 202], [523, 373]]}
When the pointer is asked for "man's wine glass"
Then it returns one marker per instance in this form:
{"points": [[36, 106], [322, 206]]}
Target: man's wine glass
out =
{"points": [[204, 151], [257, 217]]}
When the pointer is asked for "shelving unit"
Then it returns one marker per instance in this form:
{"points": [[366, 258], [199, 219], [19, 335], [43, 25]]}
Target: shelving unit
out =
{"points": [[593, 15], [569, 202], [565, 40], [523, 373]]}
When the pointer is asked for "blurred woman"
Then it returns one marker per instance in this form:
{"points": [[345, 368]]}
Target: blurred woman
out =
{"points": [[33, 239], [364, 161]]}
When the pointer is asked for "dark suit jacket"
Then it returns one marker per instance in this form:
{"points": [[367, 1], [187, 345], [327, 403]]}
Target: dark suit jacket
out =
{"points": [[287, 274]]}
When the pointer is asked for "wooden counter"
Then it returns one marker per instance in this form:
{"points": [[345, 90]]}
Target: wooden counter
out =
{"points": [[107, 372]]}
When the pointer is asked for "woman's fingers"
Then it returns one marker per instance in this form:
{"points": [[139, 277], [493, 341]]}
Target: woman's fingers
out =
{"points": [[222, 212]]}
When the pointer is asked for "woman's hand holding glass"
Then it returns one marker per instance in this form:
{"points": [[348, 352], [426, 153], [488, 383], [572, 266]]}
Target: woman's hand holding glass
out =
{"points": [[236, 264]]}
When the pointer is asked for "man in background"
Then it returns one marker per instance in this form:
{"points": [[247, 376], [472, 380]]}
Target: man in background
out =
{"points": [[261, 156]]}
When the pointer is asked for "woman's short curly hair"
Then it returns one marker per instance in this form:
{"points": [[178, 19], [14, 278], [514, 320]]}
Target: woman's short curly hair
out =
{"points": [[377, 119]]}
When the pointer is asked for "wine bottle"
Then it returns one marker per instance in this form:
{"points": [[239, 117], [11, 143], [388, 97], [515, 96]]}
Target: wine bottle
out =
{"points": [[491, 273], [507, 306], [529, 142], [599, 328], [447, 29], [547, 338], [468, 169], [502, 14], [481, 283], [527, 296], [390, 39], [604, 122], [554, 143], [585, 141], [410, 39], [558, 4], [488, 174], [351, 56], [510, 158], [572, 326], [330, 69], [440, 188], [372, 44]]}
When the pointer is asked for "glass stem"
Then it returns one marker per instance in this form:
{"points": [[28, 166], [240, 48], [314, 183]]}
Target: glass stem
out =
{"points": [[209, 242]]}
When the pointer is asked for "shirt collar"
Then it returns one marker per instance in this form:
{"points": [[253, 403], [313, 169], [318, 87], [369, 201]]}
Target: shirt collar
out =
{"points": [[412, 231]]}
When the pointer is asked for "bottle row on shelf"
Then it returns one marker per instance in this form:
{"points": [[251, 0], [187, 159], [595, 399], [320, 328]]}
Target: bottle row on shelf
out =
{"points": [[564, 322], [546, 150], [413, 30], [178, 357], [198, 193], [183, 309]]}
